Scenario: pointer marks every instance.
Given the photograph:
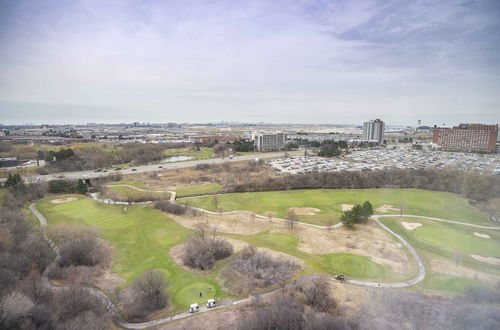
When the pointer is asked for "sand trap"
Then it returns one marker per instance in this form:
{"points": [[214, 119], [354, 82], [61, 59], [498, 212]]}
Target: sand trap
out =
{"points": [[347, 207], [304, 210], [386, 208], [63, 200], [411, 225], [489, 260], [481, 235]]}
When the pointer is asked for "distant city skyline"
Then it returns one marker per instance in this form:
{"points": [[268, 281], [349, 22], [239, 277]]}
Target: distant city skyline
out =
{"points": [[311, 62]]}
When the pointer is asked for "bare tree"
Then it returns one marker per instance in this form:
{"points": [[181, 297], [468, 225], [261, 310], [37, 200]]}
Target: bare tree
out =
{"points": [[330, 225], [291, 218], [270, 216], [317, 295], [215, 202], [149, 294], [205, 247]]}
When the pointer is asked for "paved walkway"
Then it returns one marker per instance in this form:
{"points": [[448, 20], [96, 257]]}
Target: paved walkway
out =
{"points": [[226, 303]]}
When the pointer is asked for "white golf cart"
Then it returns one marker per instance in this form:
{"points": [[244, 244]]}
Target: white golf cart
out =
{"points": [[193, 308], [211, 303]]}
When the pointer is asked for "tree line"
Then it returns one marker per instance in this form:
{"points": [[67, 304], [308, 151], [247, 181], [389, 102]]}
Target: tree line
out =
{"points": [[469, 184]]}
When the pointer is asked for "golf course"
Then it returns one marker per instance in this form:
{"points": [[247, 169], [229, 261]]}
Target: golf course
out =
{"points": [[142, 237], [329, 203], [448, 250]]}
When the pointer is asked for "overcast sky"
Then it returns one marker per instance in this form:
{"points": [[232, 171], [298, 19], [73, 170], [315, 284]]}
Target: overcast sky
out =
{"points": [[308, 61]]}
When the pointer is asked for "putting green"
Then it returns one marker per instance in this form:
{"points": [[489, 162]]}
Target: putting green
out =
{"points": [[347, 264], [414, 201], [191, 293], [351, 265]]}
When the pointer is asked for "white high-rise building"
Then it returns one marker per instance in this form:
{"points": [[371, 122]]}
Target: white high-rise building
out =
{"points": [[269, 141], [373, 130]]}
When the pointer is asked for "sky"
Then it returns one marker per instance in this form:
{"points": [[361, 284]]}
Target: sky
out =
{"points": [[281, 61]]}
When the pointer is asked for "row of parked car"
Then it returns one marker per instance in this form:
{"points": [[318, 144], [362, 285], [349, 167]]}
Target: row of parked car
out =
{"points": [[385, 158]]}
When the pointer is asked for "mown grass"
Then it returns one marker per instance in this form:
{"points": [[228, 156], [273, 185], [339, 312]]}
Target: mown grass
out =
{"points": [[198, 189], [448, 242], [414, 201], [141, 237]]}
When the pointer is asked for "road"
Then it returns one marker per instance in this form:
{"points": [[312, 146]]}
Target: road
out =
{"points": [[151, 168], [227, 303]]}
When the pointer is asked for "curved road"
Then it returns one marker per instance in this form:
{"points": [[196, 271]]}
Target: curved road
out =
{"points": [[226, 303]]}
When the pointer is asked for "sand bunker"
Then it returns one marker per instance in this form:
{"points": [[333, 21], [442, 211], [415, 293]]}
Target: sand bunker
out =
{"points": [[63, 200], [489, 260], [386, 208], [410, 225], [304, 210], [347, 207], [481, 235]]}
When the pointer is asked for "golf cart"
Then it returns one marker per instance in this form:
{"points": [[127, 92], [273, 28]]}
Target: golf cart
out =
{"points": [[193, 308], [211, 303], [340, 278]]}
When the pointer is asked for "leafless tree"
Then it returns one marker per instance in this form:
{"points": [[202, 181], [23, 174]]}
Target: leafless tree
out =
{"points": [[270, 216], [149, 294], [260, 269], [317, 294], [215, 202], [330, 225], [205, 247], [292, 218]]}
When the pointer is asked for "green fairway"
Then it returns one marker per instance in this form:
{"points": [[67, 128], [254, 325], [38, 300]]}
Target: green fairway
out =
{"points": [[459, 239], [414, 201], [352, 265], [142, 237], [198, 189], [443, 241], [446, 283]]}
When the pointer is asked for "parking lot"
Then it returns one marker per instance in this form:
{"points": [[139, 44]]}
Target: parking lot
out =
{"points": [[379, 159]]}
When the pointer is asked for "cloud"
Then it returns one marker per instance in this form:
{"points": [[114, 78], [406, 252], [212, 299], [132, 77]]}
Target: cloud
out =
{"points": [[198, 60]]}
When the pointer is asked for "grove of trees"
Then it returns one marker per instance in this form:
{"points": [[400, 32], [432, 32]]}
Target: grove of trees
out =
{"points": [[205, 247], [254, 269]]}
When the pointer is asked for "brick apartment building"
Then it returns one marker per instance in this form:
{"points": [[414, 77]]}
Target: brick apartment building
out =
{"points": [[467, 137]]}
